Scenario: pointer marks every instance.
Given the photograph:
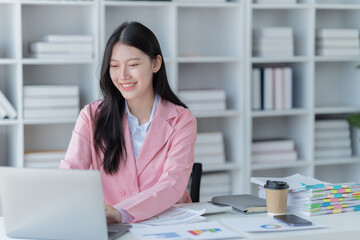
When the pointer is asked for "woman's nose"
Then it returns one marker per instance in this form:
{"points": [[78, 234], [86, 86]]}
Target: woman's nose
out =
{"points": [[124, 74]]}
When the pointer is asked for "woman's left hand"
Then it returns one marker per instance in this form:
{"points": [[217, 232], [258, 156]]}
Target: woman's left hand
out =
{"points": [[112, 214]]}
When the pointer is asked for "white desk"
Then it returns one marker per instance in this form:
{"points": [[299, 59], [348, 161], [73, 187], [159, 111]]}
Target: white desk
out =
{"points": [[344, 226]]}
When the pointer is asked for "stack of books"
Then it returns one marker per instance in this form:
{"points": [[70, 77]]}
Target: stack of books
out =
{"points": [[43, 159], [272, 88], [337, 41], [309, 196], [273, 42], [214, 184], [209, 148], [6, 108], [273, 151], [332, 139], [63, 46], [275, 1], [51, 101], [204, 99]]}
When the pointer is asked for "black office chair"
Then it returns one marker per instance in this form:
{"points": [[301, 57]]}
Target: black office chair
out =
{"points": [[195, 181]]}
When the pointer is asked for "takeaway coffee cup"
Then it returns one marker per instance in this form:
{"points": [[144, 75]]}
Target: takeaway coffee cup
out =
{"points": [[276, 197]]}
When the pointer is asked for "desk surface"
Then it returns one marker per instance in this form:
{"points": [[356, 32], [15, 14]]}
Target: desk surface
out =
{"points": [[338, 226]]}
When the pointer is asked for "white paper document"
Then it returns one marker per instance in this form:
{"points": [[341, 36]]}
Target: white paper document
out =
{"points": [[202, 231], [262, 224], [175, 215]]}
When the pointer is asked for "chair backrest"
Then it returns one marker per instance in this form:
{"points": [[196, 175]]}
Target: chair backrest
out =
{"points": [[195, 182]]}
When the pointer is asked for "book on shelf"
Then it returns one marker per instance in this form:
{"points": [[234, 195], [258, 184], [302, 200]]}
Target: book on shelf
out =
{"points": [[206, 106], [72, 56], [272, 145], [42, 164], [273, 53], [338, 51], [277, 43], [3, 113], [333, 124], [72, 38], [213, 189], [71, 112], [331, 134], [206, 159], [7, 106], [275, 1], [337, 42], [50, 90], [215, 178], [337, 33], [275, 90], [256, 91], [287, 88], [333, 152], [209, 137], [44, 155], [274, 157], [57, 47], [202, 95], [51, 102], [207, 149], [273, 32], [268, 89], [332, 143]]}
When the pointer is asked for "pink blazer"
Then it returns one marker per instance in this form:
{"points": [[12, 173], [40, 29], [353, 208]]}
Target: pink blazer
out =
{"points": [[159, 176]]}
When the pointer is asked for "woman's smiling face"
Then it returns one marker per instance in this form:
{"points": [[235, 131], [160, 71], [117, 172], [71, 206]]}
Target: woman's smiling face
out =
{"points": [[131, 71]]}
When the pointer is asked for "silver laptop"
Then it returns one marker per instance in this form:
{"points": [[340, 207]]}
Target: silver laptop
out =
{"points": [[54, 204]]}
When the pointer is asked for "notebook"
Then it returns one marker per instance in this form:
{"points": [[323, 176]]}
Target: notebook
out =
{"points": [[54, 204], [244, 203]]}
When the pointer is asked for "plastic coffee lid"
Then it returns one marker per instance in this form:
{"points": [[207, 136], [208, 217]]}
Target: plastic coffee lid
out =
{"points": [[276, 185]]}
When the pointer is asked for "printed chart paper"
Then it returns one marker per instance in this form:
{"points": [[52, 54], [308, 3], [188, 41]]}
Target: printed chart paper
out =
{"points": [[201, 231]]}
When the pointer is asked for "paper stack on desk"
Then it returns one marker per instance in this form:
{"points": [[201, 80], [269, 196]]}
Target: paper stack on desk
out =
{"points": [[309, 196]]}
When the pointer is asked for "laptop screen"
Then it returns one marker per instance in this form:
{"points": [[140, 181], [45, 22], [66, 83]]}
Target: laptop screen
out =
{"points": [[52, 204]]}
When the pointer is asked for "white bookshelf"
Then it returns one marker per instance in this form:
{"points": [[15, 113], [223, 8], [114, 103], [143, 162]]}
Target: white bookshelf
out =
{"points": [[205, 45]]}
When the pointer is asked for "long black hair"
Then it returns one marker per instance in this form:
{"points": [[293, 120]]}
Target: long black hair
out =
{"points": [[109, 129]]}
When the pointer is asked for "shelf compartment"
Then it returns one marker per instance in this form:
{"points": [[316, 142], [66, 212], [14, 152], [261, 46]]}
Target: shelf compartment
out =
{"points": [[301, 83], [337, 161], [61, 136], [77, 74], [198, 38], [214, 76], [336, 87], [80, 19], [295, 127], [233, 143], [9, 85], [338, 18], [156, 17], [9, 26], [335, 173], [9, 135], [288, 18]]}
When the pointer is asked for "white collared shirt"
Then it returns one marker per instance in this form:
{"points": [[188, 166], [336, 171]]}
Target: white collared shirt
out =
{"points": [[138, 133]]}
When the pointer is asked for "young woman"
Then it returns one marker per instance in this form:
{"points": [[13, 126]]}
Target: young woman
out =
{"points": [[140, 136]]}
